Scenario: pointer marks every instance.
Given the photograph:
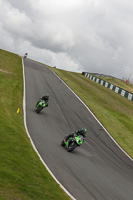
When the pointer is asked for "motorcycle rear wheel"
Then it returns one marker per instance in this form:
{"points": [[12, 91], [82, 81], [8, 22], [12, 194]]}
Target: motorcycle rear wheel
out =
{"points": [[63, 143]]}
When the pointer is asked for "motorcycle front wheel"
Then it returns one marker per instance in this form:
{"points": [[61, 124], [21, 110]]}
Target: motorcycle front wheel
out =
{"points": [[71, 147], [39, 109]]}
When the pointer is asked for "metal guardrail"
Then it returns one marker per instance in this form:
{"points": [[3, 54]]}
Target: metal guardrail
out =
{"points": [[106, 84]]}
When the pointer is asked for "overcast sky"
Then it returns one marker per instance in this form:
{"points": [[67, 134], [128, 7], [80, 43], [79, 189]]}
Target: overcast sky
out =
{"points": [[74, 35]]}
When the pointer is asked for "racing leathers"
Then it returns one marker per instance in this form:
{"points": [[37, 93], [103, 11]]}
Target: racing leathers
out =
{"points": [[75, 133], [45, 98]]}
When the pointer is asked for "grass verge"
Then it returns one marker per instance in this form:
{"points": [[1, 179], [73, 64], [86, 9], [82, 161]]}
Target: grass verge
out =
{"points": [[22, 175], [120, 83], [113, 111]]}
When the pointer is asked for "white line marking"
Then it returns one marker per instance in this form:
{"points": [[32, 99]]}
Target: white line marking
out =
{"points": [[24, 111]]}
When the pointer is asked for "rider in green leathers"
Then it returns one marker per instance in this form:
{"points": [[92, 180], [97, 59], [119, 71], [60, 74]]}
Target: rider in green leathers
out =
{"points": [[45, 98], [77, 132]]}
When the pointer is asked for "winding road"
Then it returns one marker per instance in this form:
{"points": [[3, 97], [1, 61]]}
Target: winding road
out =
{"points": [[98, 170]]}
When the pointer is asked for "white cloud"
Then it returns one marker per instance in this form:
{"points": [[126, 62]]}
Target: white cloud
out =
{"points": [[90, 35], [6, 40]]}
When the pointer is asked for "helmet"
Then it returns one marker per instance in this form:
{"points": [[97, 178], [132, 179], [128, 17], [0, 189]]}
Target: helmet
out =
{"points": [[47, 95], [83, 131]]}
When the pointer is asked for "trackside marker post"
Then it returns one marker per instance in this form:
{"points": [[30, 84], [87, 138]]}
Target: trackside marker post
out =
{"points": [[17, 110]]}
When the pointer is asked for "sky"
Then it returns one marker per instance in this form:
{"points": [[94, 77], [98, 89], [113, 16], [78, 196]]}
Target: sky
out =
{"points": [[93, 36]]}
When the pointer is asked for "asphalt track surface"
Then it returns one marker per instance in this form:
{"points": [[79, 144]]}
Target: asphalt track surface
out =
{"points": [[98, 170]]}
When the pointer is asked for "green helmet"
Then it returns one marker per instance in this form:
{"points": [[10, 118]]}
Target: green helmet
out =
{"points": [[47, 96], [83, 131]]}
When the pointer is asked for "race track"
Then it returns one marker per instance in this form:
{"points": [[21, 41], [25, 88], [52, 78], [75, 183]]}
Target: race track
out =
{"points": [[98, 170]]}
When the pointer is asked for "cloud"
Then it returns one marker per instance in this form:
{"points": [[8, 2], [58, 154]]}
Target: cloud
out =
{"points": [[38, 31], [90, 35]]}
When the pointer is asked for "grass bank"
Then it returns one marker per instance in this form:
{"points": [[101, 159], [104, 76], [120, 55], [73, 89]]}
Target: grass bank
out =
{"points": [[22, 175], [113, 111], [120, 83]]}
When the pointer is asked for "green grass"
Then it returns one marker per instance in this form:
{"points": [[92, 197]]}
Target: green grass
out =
{"points": [[113, 111], [22, 175]]}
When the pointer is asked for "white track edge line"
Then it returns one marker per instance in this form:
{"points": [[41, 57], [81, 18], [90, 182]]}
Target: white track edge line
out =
{"points": [[24, 115], [93, 116]]}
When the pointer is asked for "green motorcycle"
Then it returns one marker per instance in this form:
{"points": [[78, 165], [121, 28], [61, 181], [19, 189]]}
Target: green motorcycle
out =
{"points": [[41, 104], [72, 142]]}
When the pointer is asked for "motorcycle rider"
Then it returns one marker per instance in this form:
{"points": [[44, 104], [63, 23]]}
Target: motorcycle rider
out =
{"points": [[76, 133], [25, 55], [45, 98]]}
